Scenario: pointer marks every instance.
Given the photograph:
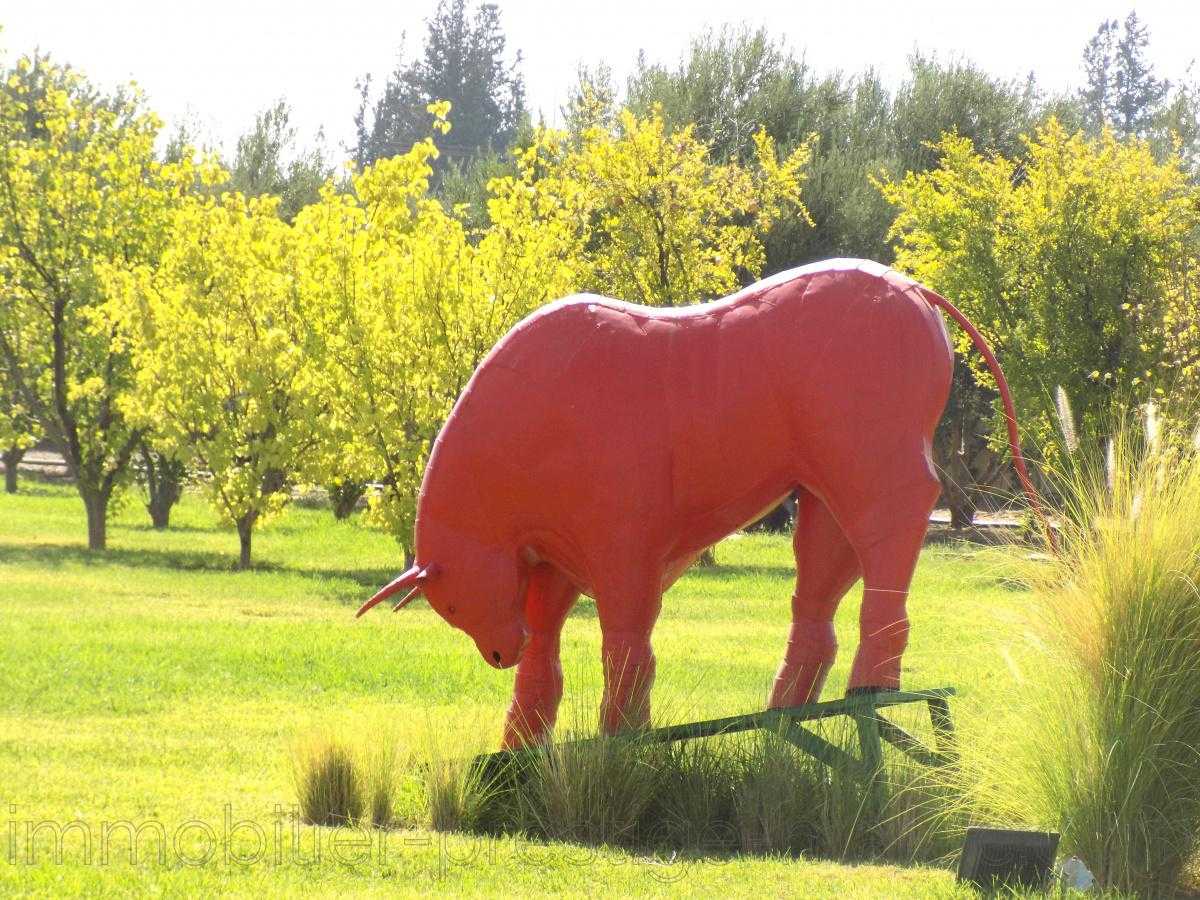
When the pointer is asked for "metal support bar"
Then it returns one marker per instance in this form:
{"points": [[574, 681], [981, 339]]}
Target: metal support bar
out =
{"points": [[943, 727], [905, 742], [862, 708], [816, 746]]}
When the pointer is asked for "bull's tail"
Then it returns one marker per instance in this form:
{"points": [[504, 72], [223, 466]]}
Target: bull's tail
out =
{"points": [[1010, 414]]}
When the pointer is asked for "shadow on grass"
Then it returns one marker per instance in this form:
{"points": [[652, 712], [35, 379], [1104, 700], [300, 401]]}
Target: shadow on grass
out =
{"points": [[148, 528], [723, 572], [36, 487], [55, 556]]}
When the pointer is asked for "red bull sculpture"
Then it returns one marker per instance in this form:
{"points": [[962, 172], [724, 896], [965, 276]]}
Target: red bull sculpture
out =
{"points": [[601, 447]]}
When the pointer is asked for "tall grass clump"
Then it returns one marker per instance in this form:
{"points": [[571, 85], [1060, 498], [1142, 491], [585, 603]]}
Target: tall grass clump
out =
{"points": [[381, 765], [329, 785], [749, 793], [1101, 738], [365, 779], [593, 791], [459, 794]]}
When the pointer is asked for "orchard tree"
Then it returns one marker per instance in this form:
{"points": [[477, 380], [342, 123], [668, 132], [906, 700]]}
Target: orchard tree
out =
{"points": [[405, 302], [1066, 266], [18, 429], [162, 472], [463, 62], [225, 369], [80, 189], [665, 224]]}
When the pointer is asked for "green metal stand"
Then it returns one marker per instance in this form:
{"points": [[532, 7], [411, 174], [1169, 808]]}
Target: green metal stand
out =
{"points": [[863, 709]]}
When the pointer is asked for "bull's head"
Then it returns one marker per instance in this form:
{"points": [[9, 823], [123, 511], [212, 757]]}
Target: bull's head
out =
{"points": [[476, 588]]}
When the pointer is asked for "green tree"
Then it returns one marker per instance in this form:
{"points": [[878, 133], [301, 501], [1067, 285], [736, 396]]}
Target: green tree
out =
{"points": [[464, 61], [1121, 90], [80, 188], [268, 161], [942, 97], [1066, 266], [224, 367]]}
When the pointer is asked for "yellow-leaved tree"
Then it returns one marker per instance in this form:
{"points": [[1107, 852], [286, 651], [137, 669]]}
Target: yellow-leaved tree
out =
{"points": [[405, 302], [1069, 261], [80, 189], [225, 367], [660, 222]]}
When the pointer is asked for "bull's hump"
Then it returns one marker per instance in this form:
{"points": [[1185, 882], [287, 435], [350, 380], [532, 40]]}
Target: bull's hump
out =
{"points": [[841, 268], [574, 320]]}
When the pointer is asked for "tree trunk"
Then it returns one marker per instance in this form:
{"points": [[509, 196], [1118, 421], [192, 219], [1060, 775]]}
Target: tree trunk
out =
{"points": [[245, 529], [96, 504], [164, 485], [962, 510], [12, 458], [344, 497]]}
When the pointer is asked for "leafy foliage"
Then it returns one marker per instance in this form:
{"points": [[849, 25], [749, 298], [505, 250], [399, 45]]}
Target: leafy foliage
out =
{"points": [[659, 222], [80, 188], [225, 369], [1064, 261], [464, 63], [261, 163]]}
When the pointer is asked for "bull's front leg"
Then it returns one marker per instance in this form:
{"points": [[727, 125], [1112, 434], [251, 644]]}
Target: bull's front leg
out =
{"points": [[627, 617], [539, 684]]}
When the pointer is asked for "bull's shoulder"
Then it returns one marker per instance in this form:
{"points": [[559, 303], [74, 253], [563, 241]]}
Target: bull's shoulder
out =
{"points": [[546, 340]]}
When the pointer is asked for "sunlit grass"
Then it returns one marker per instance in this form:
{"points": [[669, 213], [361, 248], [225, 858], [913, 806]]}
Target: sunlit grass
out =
{"points": [[155, 683]]}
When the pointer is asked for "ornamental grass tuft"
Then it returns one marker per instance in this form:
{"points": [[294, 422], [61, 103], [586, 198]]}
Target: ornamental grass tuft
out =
{"points": [[1100, 738]]}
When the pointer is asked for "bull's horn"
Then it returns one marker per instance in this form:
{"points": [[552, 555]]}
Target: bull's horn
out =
{"points": [[408, 598], [409, 579]]}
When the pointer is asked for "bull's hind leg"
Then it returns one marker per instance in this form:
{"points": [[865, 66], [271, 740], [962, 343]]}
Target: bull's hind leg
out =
{"points": [[826, 567], [887, 536], [539, 683]]}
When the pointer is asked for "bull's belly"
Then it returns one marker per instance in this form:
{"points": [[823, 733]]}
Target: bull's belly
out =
{"points": [[700, 532]]}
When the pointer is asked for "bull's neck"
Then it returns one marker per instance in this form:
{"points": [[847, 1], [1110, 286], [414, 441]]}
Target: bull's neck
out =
{"points": [[450, 491]]}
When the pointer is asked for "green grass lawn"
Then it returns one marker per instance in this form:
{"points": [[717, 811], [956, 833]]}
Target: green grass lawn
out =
{"points": [[155, 684]]}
